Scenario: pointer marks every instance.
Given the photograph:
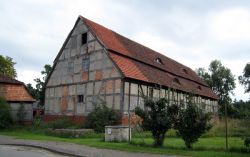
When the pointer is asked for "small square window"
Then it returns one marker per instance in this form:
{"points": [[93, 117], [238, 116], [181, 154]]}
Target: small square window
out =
{"points": [[84, 38], [80, 98]]}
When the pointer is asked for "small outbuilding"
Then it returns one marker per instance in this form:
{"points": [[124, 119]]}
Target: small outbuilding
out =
{"points": [[15, 93]]}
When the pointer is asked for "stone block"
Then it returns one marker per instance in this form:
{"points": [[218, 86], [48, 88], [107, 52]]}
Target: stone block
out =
{"points": [[73, 52], [109, 101], [90, 88], [98, 75], [98, 46], [89, 105], [90, 36], [77, 68], [92, 75], [77, 78], [97, 87], [80, 89], [92, 66], [117, 103], [72, 90], [117, 86], [107, 73], [85, 76], [117, 133], [109, 86]]}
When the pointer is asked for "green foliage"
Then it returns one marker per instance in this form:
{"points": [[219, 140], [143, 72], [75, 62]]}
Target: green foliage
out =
{"points": [[242, 109], [245, 78], [5, 114], [192, 123], [21, 113], [40, 83], [7, 67], [221, 80], [158, 118], [247, 141], [61, 124], [33, 92], [100, 117]]}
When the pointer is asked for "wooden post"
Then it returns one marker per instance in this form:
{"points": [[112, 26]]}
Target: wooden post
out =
{"points": [[129, 116], [226, 126]]}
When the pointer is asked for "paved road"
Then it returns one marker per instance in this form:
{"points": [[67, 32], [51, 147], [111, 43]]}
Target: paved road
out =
{"points": [[22, 151], [73, 149]]}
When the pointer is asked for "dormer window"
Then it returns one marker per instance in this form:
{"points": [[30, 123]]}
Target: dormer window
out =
{"points": [[199, 87], [158, 60], [84, 38], [176, 80], [185, 71]]}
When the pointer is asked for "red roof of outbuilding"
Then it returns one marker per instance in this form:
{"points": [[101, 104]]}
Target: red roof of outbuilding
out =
{"points": [[139, 62], [13, 90]]}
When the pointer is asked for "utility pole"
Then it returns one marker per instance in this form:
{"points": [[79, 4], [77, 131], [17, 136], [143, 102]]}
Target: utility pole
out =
{"points": [[226, 126]]}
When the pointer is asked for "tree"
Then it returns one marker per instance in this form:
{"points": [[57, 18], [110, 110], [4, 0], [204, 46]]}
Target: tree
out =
{"points": [[221, 80], [158, 118], [191, 123], [100, 117], [7, 66], [245, 78], [33, 92], [5, 114], [40, 83]]}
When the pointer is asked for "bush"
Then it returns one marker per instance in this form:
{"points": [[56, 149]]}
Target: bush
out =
{"points": [[247, 141], [63, 123], [192, 123], [100, 117], [158, 119], [5, 114]]}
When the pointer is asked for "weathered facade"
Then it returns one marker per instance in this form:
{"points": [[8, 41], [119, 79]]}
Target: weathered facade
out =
{"points": [[96, 64], [16, 94]]}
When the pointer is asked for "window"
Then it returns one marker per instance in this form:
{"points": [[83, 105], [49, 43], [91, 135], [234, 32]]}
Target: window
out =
{"points": [[71, 67], [158, 60], [185, 71], [176, 80], [80, 98], [85, 64], [84, 38]]}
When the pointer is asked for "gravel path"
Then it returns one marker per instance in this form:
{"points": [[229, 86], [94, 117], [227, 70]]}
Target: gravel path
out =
{"points": [[73, 149]]}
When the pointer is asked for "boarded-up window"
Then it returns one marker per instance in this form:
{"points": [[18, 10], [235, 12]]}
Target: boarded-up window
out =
{"points": [[71, 67], [85, 63]]}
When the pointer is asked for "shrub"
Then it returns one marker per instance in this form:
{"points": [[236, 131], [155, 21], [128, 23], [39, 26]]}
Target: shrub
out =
{"points": [[191, 123], [247, 141], [5, 114], [61, 124], [158, 119], [100, 117]]}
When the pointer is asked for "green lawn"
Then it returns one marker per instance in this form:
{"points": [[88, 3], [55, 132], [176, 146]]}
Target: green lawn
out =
{"points": [[205, 147]]}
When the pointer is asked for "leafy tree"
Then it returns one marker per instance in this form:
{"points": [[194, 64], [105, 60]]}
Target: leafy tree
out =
{"points": [[5, 114], [245, 78], [242, 109], [158, 118], [40, 83], [221, 80], [34, 92], [7, 66], [100, 117], [191, 123]]}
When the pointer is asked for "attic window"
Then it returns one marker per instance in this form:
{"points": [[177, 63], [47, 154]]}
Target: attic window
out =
{"points": [[176, 80], [84, 38], [199, 87], [158, 60], [185, 71]]}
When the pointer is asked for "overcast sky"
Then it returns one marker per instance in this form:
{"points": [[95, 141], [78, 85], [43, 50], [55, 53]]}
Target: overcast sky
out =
{"points": [[192, 32]]}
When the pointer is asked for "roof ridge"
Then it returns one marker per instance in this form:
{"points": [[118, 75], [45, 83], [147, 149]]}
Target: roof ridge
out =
{"points": [[120, 39]]}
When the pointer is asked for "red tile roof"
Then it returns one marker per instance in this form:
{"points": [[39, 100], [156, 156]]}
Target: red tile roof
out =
{"points": [[138, 62], [6, 79], [14, 90]]}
